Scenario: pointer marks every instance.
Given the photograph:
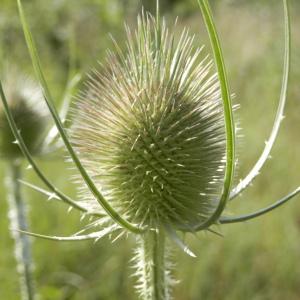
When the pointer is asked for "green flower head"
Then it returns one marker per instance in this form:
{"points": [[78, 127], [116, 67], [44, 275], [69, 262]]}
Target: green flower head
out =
{"points": [[150, 130]]}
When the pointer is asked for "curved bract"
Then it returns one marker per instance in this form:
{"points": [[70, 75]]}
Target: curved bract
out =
{"points": [[228, 114], [263, 211]]}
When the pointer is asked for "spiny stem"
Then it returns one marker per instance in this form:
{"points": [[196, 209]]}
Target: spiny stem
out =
{"points": [[153, 281], [18, 220]]}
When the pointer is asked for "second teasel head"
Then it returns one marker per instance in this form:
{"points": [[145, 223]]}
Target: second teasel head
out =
{"points": [[25, 101], [149, 129]]}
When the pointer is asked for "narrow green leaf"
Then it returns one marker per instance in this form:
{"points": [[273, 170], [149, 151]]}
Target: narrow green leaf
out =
{"points": [[243, 218], [228, 114], [48, 98]]}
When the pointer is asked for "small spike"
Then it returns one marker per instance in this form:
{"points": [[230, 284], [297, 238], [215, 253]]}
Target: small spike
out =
{"points": [[52, 196], [178, 241]]}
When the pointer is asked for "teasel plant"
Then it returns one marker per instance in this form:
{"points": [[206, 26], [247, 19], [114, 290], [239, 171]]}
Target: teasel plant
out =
{"points": [[25, 102], [153, 141]]}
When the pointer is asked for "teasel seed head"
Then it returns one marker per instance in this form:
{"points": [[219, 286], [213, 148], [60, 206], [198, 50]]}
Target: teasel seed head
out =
{"points": [[149, 128], [30, 114]]}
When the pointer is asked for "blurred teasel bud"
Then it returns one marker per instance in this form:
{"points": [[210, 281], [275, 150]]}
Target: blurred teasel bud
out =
{"points": [[149, 129], [29, 111]]}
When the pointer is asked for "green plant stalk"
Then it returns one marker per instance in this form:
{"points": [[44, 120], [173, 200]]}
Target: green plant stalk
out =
{"points": [[152, 266], [18, 220]]}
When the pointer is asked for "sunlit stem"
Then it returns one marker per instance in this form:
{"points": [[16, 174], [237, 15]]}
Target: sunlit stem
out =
{"points": [[18, 220]]}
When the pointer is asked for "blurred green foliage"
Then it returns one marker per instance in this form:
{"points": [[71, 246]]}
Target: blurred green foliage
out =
{"points": [[255, 260]]}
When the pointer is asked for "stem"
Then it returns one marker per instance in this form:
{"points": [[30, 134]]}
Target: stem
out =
{"points": [[152, 266], [18, 220], [158, 267]]}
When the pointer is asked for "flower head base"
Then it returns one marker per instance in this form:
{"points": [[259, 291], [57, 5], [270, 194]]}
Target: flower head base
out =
{"points": [[149, 129], [27, 107]]}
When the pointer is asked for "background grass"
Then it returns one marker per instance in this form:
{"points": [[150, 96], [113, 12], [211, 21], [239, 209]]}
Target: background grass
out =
{"points": [[255, 260]]}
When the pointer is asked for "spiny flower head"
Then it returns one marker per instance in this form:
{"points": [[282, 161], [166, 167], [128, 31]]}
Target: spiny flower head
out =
{"points": [[149, 129], [26, 104]]}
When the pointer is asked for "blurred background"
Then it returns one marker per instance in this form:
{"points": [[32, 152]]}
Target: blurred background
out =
{"points": [[254, 260]]}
